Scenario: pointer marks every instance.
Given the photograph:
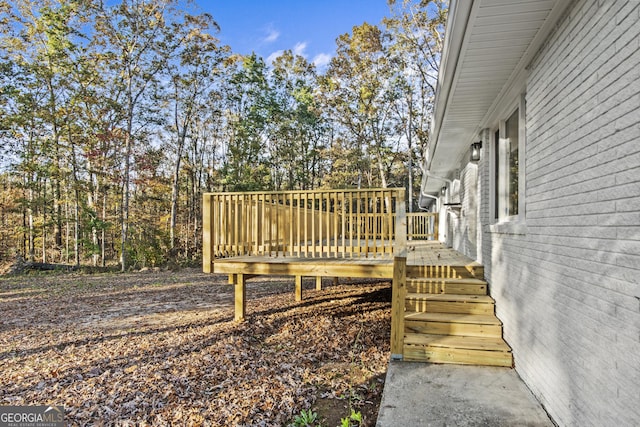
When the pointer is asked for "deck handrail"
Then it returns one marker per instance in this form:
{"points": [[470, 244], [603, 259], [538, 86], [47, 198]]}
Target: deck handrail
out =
{"points": [[422, 226], [314, 223]]}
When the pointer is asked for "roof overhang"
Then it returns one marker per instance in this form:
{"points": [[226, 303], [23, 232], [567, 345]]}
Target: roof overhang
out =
{"points": [[488, 45]]}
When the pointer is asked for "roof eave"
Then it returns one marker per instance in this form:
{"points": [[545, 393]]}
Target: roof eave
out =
{"points": [[443, 157], [457, 21]]}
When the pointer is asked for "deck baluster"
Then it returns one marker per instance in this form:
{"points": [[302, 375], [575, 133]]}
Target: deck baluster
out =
{"points": [[316, 224]]}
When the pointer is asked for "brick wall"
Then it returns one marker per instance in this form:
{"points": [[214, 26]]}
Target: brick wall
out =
{"points": [[568, 286]]}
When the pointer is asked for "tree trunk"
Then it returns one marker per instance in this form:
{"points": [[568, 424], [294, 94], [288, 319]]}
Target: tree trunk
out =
{"points": [[180, 140], [57, 215], [104, 218], [24, 233], [77, 230], [44, 222], [409, 134], [174, 200], [67, 236], [124, 230]]}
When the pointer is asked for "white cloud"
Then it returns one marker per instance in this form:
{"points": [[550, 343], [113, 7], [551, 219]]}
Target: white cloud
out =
{"points": [[273, 56], [272, 35], [299, 49], [321, 60]]}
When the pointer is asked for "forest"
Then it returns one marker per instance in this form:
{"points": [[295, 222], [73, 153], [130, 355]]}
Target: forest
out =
{"points": [[115, 118]]}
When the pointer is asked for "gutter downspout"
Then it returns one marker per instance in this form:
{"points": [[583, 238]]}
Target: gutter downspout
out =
{"points": [[423, 194], [437, 199]]}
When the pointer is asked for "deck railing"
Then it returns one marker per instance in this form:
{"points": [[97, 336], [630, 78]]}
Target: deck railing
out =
{"points": [[337, 223], [422, 226], [318, 223]]}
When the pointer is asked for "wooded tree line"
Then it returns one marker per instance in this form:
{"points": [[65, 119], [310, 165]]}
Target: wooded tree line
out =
{"points": [[117, 116]]}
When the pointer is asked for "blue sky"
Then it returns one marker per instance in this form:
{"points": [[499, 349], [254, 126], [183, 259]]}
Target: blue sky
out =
{"points": [[307, 27]]}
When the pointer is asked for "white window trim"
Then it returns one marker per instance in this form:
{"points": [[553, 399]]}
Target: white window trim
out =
{"points": [[513, 224]]}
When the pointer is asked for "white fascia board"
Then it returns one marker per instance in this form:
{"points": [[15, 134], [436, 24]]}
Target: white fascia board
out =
{"points": [[457, 22]]}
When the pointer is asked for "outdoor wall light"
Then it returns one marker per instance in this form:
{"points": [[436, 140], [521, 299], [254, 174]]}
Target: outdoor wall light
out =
{"points": [[443, 191], [475, 151]]}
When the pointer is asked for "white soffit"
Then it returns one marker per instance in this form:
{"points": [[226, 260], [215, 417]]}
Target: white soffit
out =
{"points": [[500, 38]]}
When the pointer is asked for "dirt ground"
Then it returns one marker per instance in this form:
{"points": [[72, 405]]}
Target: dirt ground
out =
{"points": [[161, 348]]}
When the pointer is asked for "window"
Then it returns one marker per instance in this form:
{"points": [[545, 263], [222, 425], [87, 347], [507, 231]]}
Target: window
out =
{"points": [[511, 142], [508, 173], [496, 162]]}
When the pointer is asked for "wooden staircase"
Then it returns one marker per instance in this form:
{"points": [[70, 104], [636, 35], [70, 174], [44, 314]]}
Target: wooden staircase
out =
{"points": [[452, 319]]}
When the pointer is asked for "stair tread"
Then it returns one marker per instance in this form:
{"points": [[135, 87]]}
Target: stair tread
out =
{"points": [[453, 341], [479, 319], [458, 356], [450, 297]]}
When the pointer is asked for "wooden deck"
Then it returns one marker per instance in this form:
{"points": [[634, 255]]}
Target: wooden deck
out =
{"points": [[440, 308], [429, 258], [423, 259], [421, 255], [294, 266]]}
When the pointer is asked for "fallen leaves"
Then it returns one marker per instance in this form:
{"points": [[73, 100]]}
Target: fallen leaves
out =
{"points": [[162, 349]]}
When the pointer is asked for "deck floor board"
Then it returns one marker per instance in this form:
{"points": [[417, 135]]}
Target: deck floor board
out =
{"points": [[419, 253]]}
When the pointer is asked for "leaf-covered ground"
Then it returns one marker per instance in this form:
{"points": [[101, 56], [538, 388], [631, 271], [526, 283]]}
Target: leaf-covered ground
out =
{"points": [[161, 348]]}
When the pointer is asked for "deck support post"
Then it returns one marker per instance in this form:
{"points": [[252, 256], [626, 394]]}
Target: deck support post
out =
{"points": [[207, 234], [318, 283], [399, 292], [399, 284], [298, 288], [240, 297]]}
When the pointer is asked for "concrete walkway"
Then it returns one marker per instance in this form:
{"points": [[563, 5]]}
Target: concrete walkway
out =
{"points": [[423, 394]]}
